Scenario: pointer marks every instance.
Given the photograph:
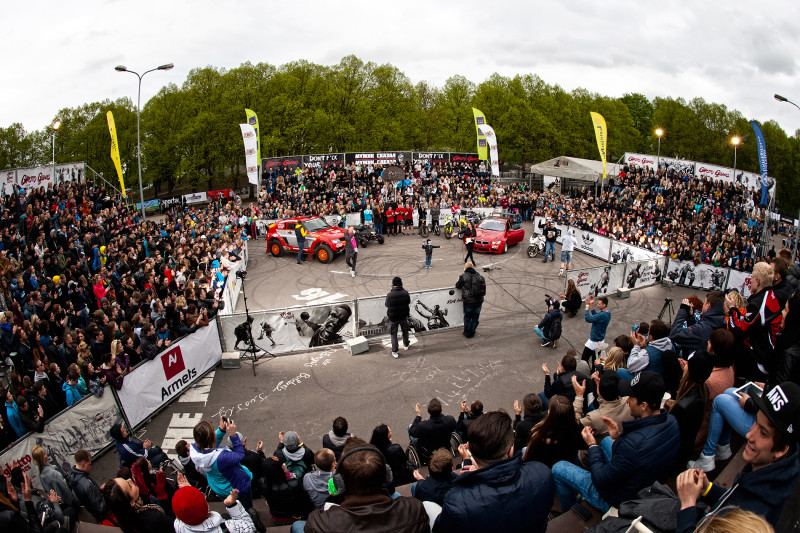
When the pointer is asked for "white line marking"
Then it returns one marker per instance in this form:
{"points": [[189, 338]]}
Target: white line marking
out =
{"points": [[181, 427], [199, 391]]}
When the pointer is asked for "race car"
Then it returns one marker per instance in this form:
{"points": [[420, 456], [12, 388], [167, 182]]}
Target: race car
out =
{"points": [[496, 234], [322, 240]]}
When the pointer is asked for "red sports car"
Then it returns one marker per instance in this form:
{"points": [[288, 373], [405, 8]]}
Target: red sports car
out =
{"points": [[496, 234], [322, 240]]}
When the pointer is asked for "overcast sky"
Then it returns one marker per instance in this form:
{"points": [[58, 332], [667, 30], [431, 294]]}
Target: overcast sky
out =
{"points": [[736, 53]]}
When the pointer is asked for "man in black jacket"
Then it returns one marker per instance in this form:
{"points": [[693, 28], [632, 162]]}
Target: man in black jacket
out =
{"points": [[473, 289], [431, 434], [398, 304]]}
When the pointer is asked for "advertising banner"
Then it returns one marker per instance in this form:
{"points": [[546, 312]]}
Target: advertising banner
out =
{"points": [[593, 244], [678, 165], [464, 158], [220, 193], [34, 177], [598, 281], [156, 382], [169, 202], [540, 222], [252, 119], [249, 137], [9, 179], [434, 158], [740, 281], [84, 426], [601, 132], [625, 253], [430, 310], [149, 205], [702, 276], [112, 130], [323, 160], [289, 330], [645, 273], [714, 172], [288, 163], [378, 158], [491, 139], [480, 120], [195, 198], [641, 160]]}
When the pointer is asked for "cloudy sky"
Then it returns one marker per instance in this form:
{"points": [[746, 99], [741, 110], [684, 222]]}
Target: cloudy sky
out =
{"points": [[736, 53]]}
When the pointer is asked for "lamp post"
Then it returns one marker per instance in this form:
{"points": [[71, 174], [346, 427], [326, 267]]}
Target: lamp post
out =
{"points": [[55, 126], [122, 68], [659, 133], [735, 142], [795, 229]]}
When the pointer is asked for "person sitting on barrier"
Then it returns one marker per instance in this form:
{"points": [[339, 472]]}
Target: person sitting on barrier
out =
{"points": [[84, 487], [691, 401], [334, 440], [610, 404], [557, 437], [562, 381], [691, 334], [467, 416], [130, 513], [193, 515], [439, 481], [572, 298], [431, 434], [129, 450]]}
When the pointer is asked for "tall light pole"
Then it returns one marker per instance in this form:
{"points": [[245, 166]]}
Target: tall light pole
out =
{"points": [[795, 229], [659, 133], [735, 142], [55, 126], [122, 68]]}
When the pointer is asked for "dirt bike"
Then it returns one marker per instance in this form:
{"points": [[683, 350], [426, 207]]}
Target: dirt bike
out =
{"points": [[537, 244], [460, 226]]}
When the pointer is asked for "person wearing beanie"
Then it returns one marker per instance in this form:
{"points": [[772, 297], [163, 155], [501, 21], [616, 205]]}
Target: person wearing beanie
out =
{"points": [[428, 247], [691, 402], [398, 309], [544, 330], [291, 452], [193, 516]]}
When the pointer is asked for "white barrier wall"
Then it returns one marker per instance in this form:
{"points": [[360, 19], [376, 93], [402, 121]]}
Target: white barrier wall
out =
{"points": [[702, 276], [430, 310]]}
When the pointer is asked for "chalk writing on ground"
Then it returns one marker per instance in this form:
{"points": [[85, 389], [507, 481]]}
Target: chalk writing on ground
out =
{"points": [[460, 384]]}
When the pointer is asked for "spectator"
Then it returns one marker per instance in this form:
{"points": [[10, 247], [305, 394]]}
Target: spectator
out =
{"points": [[433, 433], [647, 352], [287, 499], [32, 418], [549, 327], [771, 452], [394, 455], [434, 487], [112, 371], [192, 514], [291, 452], [615, 360], [398, 311], [473, 290], [51, 479], [10, 517], [692, 335], [45, 400], [71, 387], [780, 287], [532, 405], [365, 506], [12, 416], [611, 405], [467, 416], [599, 319], [182, 450], [129, 451], [572, 298], [630, 459], [734, 520], [334, 440], [562, 381], [720, 348], [84, 487], [557, 437], [793, 275], [479, 500], [316, 483], [691, 402], [130, 513]]}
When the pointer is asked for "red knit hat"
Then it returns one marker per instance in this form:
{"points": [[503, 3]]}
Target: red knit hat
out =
{"points": [[190, 506]]}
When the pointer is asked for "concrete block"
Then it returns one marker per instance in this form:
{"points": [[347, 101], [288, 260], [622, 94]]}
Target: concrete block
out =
{"points": [[231, 360], [623, 293], [358, 345]]}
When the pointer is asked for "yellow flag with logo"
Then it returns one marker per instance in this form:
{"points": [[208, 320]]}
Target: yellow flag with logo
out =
{"points": [[601, 132], [480, 120], [112, 129]]}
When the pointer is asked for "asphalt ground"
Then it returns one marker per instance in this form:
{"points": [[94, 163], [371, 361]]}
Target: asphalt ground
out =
{"points": [[304, 392]]}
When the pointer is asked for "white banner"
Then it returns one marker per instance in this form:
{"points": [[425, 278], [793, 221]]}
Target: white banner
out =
{"points": [[714, 172], [157, 382], [84, 426], [491, 139], [42, 176], [430, 310], [598, 281], [540, 222], [593, 244], [645, 273], [292, 329], [702, 276], [250, 152], [641, 160], [625, 253], [195, 198], [740, 281]]}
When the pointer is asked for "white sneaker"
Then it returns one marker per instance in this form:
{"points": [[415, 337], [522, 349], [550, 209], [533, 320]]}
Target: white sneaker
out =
{"points": [[352, 273], [395, 355], [405, 347], [723, 453], [560, 272], [704, 462]]}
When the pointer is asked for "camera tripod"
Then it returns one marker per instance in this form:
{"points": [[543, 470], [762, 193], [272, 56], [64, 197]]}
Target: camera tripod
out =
{"points": [[252, 351], [667, 307]]}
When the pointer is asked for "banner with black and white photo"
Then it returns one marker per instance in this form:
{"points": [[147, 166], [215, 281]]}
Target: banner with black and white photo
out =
{"points": [[626, 253], [702, 276], [645, 273], [290, 330], [597, 281], [378, 158], [593, 244], [740, 281], [42, 176], [430, 310]]}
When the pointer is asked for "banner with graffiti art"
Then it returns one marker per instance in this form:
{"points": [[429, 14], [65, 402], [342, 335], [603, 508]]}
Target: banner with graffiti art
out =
{"points": [[593, 244], [626, 253], [702, 276], [84, 426], [430, 310], [598, 281], [740, 281], [291, 329], [645, 273]]}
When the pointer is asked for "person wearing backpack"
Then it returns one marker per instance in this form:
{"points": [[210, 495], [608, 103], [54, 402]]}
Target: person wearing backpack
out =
{"points": [[549, 329], [473, 290], [292, 453]]}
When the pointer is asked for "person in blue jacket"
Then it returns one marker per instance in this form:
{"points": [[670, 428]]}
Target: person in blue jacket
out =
{"points": [[599, 320], [12, 415], [129, 451]]}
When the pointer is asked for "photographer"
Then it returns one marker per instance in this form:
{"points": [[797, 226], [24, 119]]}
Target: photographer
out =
{"points": [[545, 329]]}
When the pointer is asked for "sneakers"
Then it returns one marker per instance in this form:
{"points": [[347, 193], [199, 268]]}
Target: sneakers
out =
{"points": [[395, 355], [560, 272], [352, 273], [405, 347], [555, 344], [723, 453], [545, 342], [705, 463], [544, 260]]}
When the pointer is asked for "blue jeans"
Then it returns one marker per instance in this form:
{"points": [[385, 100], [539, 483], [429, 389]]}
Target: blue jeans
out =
{"points": [[298, 527], [428, 260], [624, 373], [549, 249], [545, 401], [471, 314], [301, 243], [571, 479], [726, 414], [541, 334]]}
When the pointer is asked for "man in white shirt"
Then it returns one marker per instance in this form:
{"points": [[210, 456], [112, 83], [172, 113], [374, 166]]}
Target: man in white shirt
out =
{"points": [[567, 247]]}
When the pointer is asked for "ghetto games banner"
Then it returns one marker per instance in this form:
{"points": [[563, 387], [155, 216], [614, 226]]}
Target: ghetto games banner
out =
{"points": [[701, 276], [645, 273], [598, 281], [34, 177], [292, 329], [714, 172], [430, 310], [157, 382], [641, 160], [288, 163]]}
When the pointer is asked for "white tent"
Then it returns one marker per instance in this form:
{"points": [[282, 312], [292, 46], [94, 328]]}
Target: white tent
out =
{"points": [[574, 168]]}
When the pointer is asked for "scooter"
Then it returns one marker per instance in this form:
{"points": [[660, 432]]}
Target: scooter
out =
{"points": [[537, 245]]}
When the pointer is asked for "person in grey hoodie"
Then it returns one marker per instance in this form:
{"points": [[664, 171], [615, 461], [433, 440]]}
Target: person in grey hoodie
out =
{"points": [[51, 479], [316, 483], [336, 437]]}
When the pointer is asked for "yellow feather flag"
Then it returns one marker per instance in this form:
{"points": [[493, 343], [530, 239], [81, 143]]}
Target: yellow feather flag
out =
{"points": [[601, 132], [480, 119], [112, 129]]}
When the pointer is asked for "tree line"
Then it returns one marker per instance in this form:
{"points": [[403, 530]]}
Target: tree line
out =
{"points": [[191, 139]]}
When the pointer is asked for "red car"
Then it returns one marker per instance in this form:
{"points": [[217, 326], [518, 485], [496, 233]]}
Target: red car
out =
{"points": [[496, 234], [322, 240]]}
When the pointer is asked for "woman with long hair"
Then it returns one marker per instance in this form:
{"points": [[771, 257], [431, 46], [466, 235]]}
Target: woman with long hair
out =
{"points": [[402, 472], [557, 437], [691, 402], [130, 514], [573, 298], [52, 480]]}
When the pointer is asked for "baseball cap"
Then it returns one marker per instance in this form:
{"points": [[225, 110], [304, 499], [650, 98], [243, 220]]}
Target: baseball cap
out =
{"points": [[291, 441], [646, 387], [781, 405]]}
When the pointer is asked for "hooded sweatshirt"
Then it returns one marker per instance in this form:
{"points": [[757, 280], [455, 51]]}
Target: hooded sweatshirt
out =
{"points": [[222, 467], [649, 358], [239, 522]]}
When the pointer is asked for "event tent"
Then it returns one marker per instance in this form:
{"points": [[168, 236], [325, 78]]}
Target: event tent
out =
{"points": [[574, 168]]}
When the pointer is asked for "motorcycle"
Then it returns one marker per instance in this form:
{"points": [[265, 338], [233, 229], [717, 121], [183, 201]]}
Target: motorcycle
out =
{"points": [[537, 244]]}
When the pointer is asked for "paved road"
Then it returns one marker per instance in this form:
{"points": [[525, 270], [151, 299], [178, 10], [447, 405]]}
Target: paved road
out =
{"points": [[305, 392]]}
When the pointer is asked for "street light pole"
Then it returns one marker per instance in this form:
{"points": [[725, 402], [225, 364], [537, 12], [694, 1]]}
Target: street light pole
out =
{"points": [[735, 142], [55, 126], [795, 229], [122, 68], [659, 133]]}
